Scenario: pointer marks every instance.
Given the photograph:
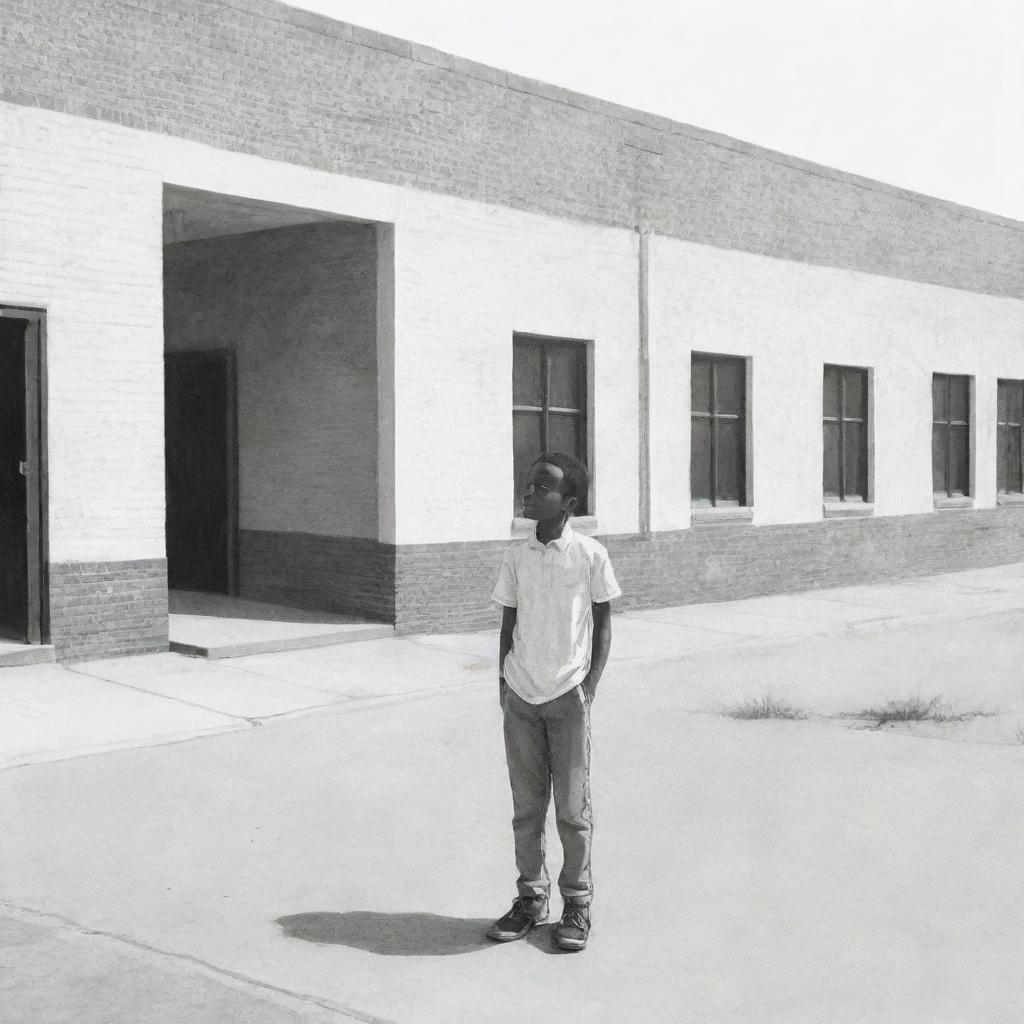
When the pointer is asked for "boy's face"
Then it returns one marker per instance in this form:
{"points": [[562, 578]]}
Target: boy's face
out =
{"points": [[545, 493]]}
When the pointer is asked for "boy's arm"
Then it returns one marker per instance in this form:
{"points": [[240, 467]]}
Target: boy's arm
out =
{"points": [[600, 647], [508, 624]]}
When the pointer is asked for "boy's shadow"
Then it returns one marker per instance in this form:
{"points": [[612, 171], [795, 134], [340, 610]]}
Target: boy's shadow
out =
{"points": [[402, 934]]}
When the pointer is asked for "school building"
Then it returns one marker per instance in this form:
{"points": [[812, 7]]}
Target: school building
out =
{"points": [[287, 305]]}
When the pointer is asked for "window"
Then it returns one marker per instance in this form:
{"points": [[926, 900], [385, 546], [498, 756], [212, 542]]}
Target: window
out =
{"points": [[1009, 450], [845, 434], [549, 396], [951, 412], [718, 442]]}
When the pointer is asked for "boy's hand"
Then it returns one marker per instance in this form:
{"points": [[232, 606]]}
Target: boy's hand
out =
{"points": [[508, 625], [602, 644], [589, 688]]}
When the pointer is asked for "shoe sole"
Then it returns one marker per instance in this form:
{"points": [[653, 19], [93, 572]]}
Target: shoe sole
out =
{"points": [[570, 946], [512, 936]]}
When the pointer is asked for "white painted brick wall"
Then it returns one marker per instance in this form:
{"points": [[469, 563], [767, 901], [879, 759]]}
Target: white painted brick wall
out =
{"points": [[467, 278], [80, 222], [792, 319], [80, 227]]}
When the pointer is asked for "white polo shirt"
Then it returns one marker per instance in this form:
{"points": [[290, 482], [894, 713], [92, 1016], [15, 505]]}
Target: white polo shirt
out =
{"points": [[552, 587]]}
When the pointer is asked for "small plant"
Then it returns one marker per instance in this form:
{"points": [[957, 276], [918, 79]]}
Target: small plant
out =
{"points": [[767, 706], [915, 709]]}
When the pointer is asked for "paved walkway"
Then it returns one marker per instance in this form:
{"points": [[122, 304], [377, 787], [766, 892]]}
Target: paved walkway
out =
{"points": [[324, 836], [51, 712]]}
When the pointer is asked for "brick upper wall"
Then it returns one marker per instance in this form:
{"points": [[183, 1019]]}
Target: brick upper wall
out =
{"points": [[259, 77]]}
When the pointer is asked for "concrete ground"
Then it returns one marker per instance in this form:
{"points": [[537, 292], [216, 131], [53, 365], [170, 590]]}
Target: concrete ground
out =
{"points": [[324, 835]]}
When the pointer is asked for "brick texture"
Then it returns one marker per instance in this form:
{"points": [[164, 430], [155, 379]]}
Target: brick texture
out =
{"points": [[730, 562], [104, 609], [259, 77], [446, 588], [340, 574]]}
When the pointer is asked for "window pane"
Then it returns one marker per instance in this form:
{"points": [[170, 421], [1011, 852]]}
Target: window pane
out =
{"points": [[729, 378], [564, 380], [527, 379], [1008, 473], [1013, 479], [958, 400], [830, 474], [939, 459], [939, 409], [730, 462], [961, 467], [526, 446], [1015, 401], [1002, 455], [700, 385], [856, 458], [563, 434], [856, 382], [830, 406], [700, 460]]}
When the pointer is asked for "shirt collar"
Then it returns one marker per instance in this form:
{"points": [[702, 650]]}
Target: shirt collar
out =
{"points": [[561, 543]]}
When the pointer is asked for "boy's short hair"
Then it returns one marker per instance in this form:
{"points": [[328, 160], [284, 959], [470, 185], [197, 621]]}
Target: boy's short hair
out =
{"points": [[574, 473]]}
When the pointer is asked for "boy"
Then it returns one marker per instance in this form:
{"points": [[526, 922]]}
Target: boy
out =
{"points": [[555, 638]]}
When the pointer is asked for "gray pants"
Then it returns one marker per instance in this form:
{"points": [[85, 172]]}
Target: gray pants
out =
{"points": [[548, 750]]}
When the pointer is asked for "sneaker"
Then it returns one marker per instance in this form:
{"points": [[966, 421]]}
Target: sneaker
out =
{"points": [[526, 912], [574, 928]]}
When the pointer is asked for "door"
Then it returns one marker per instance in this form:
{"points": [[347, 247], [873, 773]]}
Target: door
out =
{"points": [[20, 507], [201, 471]]}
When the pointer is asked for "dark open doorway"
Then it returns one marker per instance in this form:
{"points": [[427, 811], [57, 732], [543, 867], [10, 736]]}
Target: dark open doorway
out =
{"points": [[22, 477], [202, 471]]}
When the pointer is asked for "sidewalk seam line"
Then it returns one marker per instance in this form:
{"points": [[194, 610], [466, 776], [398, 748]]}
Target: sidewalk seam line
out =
{"points": [[352, 703], [96, 677], [85, 931], [278, 679], [141, 743]]}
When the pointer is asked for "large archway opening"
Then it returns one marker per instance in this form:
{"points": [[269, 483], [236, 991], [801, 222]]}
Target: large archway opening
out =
{"points": [[270, 327]]}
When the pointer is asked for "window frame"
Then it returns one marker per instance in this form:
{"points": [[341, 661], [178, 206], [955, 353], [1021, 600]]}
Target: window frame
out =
{"points": [[948, 496], [845, 496], [744, 465], [584, 370], [1002, 382]]}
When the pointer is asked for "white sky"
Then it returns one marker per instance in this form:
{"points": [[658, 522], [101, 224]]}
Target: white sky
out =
{"points": [[926, 94]]}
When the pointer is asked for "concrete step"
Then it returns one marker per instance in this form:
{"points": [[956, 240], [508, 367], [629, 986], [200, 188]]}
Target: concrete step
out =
{"points": [[13, 654], [241, 648], [207, 625]]}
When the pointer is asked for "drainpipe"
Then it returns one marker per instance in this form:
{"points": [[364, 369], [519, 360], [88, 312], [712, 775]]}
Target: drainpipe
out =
{"points": [[644, 382]]}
